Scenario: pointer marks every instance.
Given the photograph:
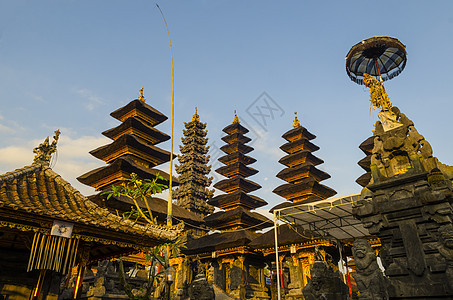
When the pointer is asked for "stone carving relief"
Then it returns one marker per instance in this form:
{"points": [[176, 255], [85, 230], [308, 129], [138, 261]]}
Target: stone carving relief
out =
{"points": [[446, 251], [370, 280]]}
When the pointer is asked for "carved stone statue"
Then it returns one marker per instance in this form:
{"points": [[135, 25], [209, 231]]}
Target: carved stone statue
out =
{"points": [[370, 281], [446, 251], [324, 284], [45, 150], [200, 289]]}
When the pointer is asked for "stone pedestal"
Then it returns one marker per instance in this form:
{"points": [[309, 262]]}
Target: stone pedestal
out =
{"points": [[406, 213], [407, 202]]}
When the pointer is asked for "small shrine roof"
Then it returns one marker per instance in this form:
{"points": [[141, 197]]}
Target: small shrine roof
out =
{"points": [[287, 234], [129, 144], [219, 241], [139, 108], [298, 133], [32, 197], [223, 219], [158, 206], [135, 126]]}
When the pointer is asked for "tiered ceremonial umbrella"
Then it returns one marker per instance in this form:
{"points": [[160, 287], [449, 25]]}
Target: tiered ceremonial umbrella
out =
{"points": [[381, 56]]}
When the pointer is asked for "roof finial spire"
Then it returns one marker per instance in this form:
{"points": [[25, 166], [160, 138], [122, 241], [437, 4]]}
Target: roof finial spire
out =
{"points": [[296, 121], [196, 117], [141, 97], [236, 119], [44, 151]]}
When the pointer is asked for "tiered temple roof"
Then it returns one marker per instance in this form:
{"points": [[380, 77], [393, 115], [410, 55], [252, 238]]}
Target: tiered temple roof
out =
{"points": [[237, 204], [133, 148], [33, 197], [367, 148], [301, 174], [193, 193]]}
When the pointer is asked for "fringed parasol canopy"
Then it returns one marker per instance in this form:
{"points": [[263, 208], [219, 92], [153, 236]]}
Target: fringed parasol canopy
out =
{"points": [[381, 56]]}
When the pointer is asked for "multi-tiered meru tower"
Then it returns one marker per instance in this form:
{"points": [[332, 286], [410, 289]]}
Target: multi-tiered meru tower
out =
{"points": [[236, 203], [301, 174], [193, 193], [134, 150], [237, 267]]}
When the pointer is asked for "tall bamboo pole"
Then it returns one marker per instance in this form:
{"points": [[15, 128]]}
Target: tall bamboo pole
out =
{"points": [[170, 191]]}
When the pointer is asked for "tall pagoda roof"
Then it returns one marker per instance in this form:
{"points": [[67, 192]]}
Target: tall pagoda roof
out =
{"points": [[302, 175], [128, 144], [133, 148], [33, 197], [119, 169], [139, 128], [140, 109]]}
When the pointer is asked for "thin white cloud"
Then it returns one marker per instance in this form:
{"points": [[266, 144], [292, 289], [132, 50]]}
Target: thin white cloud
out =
{"points": [[71, 161], [6, 129], [37, 98], [92, 100]]}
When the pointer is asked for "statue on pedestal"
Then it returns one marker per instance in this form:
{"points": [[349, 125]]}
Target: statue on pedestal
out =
{"points": [[370, 280]]}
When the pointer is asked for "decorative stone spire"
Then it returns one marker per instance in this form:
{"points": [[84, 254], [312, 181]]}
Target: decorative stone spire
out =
{"points": [[141, 97], [195, 117], [193, 193], [236, 119], [296, 121], [44, 151]]}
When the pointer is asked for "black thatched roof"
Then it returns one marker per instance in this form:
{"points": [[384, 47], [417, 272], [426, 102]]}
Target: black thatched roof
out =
{"points": [[286, 235], [219, 241], [247, 217]]}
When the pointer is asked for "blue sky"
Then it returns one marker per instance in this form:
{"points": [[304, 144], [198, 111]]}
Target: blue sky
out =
{"points": [[68, 64]]}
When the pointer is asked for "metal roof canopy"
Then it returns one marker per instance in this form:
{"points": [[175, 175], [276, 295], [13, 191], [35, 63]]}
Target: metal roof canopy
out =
{"points": [[331, 218]]}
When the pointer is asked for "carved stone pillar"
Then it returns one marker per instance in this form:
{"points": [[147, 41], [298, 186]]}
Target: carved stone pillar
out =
{"points": [[295, 287]]}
